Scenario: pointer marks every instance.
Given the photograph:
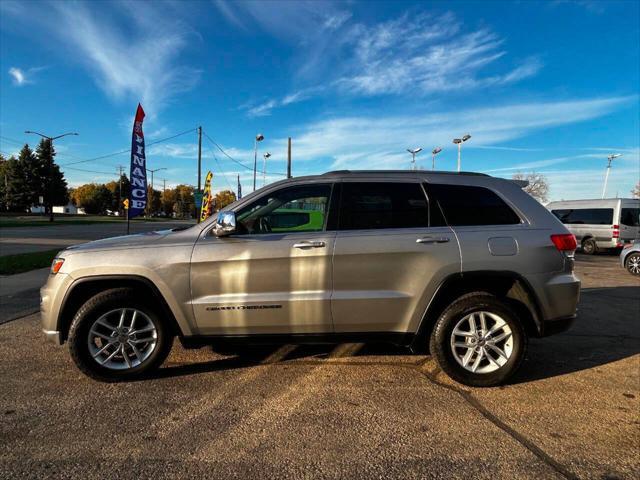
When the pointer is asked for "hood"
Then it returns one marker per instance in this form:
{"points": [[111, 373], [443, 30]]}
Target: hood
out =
{"points": [[125, 241]]}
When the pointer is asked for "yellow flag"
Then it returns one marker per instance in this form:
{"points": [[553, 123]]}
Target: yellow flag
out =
{"points": [[206, 210]]}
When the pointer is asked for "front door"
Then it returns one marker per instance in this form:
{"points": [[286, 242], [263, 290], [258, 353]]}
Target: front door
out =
{"points": [[272, 277], [389, 257]]}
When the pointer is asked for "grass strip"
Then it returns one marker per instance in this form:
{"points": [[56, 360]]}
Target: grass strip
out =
{"points": [[23, 262]]}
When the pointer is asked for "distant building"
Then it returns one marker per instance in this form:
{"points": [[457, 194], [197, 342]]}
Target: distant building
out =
{"points": [[69, 209]]}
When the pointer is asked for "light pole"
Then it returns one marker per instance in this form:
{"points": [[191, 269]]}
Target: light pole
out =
{"points": [[606, 175], [434, 152], [51, 139], [259, 138], [414, 152], [152, 172], [264, 168], [459, 142]]}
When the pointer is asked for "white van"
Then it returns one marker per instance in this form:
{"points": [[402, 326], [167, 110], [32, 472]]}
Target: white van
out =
{"points": [[600, 224]]}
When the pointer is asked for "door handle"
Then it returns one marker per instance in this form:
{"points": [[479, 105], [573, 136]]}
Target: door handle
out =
{"points": [[309, 244], [433, 240]]}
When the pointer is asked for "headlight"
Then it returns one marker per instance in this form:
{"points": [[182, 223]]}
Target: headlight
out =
{"points": [[56, 265]]}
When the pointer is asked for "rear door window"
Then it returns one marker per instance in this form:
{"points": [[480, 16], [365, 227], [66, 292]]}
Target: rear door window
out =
{"points": [[464, 205], [630, 217], [379, 205]]}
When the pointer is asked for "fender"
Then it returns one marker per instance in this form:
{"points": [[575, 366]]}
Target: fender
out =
{"points": [[457, 284], [180, 323]]}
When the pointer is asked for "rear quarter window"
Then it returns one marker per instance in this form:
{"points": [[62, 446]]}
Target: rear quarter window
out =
{"points": [[464, 205]]}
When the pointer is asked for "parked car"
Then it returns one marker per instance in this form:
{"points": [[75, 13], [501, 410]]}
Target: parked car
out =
{"points": [[630, 257], [465, 265], [600, 224]]}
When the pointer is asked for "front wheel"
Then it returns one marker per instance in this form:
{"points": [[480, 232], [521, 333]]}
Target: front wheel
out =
{"points": [[478, 340], [116, 336], [633, 263]]}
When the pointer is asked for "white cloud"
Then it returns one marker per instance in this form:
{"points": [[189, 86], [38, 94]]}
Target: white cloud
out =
{"points": [[138, 63], [18, 76], [380, 142], [22, 77], [416, 54]]}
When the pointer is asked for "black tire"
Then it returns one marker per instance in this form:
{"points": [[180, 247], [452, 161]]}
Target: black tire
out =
{"points": [[629, 262], [100, 304], [589, 247], [440, 341]]}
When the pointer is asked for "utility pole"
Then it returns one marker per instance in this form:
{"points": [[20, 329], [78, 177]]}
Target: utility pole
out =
{"points": [[199, 157], [239, 188], [51, 139], [289, 158]]}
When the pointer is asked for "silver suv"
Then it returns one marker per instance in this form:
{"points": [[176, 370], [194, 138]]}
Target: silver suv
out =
{"points": [[464, 265]]}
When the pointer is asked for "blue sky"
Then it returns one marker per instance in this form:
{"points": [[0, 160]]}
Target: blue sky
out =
{"points": [[551, 87]]}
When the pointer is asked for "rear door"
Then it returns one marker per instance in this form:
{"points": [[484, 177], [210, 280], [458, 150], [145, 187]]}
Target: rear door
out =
{"points": [[390, 255], [629, 222]]}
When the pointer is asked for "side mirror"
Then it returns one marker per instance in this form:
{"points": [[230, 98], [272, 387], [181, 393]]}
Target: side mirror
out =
{"points": [[225, 224]]}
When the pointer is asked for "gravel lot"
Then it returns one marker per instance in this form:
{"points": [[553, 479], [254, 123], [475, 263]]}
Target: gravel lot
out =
{"points": [[345, 411]]}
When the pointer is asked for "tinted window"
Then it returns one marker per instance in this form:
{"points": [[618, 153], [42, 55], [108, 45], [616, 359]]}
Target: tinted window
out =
{"points": [[588, 216], [467, 205], [383, 205], [293, 209], [630, 217]]}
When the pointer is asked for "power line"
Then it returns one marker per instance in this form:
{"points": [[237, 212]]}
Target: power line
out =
{"points": [[237, 161], [128, 150]]}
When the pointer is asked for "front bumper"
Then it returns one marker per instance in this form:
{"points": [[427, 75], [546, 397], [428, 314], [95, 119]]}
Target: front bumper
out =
{"points": [[51, 296], [53, 336]]}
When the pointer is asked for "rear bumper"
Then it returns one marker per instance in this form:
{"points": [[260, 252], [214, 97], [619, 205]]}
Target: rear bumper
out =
{"points": [[557, 325]]}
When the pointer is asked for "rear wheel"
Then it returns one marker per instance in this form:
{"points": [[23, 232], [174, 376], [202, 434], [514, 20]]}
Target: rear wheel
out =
{"points": [[589, 246], [633, 263], [117, 336], [478, 340]]}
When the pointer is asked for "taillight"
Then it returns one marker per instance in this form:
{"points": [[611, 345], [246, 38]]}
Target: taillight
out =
{"points": [[56, 265], [616, 231], [564, 242]]}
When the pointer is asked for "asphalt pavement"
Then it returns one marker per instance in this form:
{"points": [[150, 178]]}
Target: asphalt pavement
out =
{"points": [[15, 240], [343, 411]]}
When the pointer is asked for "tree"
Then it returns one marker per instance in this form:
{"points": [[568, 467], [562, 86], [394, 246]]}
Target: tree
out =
{"points": [[538, 186], [635, 193], [168, 199], [223, 198], [154, 202], [93, 197], [45, 178], [116, 198], [19, 180], [185, 205]]}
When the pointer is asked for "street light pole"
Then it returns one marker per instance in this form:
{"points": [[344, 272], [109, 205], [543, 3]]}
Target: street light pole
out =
{"points": [[459, 142], [414, 152], [264, 168], [259, 138], [606, 175], [152, 172], [51, 139], [434, 152]]}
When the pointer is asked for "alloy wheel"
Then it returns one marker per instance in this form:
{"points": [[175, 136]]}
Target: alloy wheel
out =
{"points": [[122, 339], [633, 264], [482, 342]]}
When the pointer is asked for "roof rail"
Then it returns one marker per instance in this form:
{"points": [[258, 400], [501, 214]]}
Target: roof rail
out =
{"points": [[406, 172]]}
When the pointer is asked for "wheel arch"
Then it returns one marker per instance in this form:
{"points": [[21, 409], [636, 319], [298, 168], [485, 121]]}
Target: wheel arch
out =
{"points": [[84, 288], [503, 284]]}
